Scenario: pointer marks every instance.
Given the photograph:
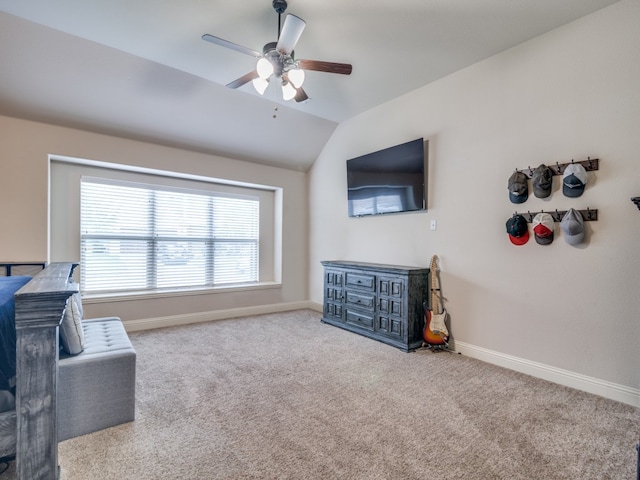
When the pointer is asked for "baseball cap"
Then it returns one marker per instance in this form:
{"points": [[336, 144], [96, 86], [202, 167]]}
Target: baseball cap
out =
{"points": [[543, 228], [518, 187], [542, 181], [518, 230], [574, 180], [572, 226]]}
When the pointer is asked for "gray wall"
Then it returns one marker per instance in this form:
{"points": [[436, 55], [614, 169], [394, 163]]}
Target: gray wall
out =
{"points": [[570, 314]]}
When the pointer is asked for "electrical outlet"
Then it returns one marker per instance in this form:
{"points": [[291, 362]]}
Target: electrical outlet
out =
{"points": [[433, 224]]}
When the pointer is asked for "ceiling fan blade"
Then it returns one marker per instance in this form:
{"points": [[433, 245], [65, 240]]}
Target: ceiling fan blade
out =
{"points": [[243, 79], [329, 67], [233, 46], [291, 31], [301, 95]]}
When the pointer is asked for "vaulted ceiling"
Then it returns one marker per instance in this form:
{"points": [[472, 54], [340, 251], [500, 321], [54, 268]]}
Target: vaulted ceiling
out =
{"points": [[139, 69]]}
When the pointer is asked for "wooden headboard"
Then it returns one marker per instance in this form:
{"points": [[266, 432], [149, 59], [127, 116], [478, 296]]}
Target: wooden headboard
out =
{"points": [[30, 432]]}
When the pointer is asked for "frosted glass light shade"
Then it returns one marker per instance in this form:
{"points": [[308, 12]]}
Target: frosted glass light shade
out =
{"points": [[264, 68], [291, 31], [288, 92], [296, 77], [260, 84]]}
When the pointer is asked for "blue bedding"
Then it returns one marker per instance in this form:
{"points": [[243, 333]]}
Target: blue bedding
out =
{"points": [[8, 286]]}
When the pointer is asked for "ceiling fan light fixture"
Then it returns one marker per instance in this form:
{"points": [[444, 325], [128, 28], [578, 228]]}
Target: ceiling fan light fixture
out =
{"points": [[288, 91], [260, 84], [296, 77], [278, 60], [264, 68]]}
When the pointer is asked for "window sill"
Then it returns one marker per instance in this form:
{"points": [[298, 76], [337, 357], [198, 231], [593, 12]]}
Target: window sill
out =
{"points": [[128, 296]]}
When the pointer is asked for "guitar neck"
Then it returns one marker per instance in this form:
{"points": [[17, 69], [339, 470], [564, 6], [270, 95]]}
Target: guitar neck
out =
{"points": [[435, 307]]}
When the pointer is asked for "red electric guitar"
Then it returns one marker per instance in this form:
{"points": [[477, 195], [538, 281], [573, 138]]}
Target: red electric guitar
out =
{"points": [[435, 329]]}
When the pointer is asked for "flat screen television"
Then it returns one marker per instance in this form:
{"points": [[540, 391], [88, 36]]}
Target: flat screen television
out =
{"points": [[392, 180]]}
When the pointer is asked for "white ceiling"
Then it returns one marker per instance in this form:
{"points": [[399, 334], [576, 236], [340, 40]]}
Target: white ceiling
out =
{"points": [[139, 69]]}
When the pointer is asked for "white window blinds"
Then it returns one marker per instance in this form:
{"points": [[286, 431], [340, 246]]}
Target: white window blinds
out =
{"points": [[138, 237]]}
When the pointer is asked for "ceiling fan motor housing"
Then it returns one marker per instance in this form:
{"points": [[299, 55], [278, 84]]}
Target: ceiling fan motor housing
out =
{"points": [[279, 6], [281, 62]]}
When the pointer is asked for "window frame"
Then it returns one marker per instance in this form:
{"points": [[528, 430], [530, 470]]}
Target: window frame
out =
{"points": [[64, 217]]}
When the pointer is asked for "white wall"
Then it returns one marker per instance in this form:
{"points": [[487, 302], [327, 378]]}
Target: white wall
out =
{"points": [[558, 311], [24, 150]]}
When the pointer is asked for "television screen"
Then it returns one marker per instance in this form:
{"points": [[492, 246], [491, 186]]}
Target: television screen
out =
{"points": [[388, 181]]}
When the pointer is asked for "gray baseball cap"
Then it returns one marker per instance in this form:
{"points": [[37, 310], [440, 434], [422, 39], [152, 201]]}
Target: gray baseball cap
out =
{"points": [[572, 226], [542, 181], [518, 187]]}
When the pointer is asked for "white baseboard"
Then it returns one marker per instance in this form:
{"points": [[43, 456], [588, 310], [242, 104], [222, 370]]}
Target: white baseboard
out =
{"points": [[316, 306], [175, 320], [613, 391]]}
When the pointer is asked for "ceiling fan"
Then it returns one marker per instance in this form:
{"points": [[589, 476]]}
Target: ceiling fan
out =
{"points": [[277, 59]]}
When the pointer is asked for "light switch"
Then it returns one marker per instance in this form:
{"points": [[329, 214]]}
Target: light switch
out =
{"points": [[433, 224]]}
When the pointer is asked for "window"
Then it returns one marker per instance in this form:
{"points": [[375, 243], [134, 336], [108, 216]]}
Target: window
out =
{"points": [[150, 237]]}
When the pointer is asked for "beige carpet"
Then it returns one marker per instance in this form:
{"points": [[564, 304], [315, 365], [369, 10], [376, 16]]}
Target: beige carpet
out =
{"points": [[285, 396]]}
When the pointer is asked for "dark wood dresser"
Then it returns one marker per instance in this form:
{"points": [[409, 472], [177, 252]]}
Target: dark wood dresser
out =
{"points": [[382, 302]]}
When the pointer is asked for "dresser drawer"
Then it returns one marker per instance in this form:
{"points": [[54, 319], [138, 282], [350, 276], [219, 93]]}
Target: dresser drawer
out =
{"points": [[334, 278], [333, 310], [333, 294], [390, 287], [360, 300], [361, 280], [390, 306], [360, 319], [391, 326]]}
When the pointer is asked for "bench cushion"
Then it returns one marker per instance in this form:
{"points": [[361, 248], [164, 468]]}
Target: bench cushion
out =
{"points": [[104, 335], [96, 389]]}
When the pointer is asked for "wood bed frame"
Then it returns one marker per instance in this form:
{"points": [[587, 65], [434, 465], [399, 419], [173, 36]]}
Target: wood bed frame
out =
{"points": [[30, 432]]}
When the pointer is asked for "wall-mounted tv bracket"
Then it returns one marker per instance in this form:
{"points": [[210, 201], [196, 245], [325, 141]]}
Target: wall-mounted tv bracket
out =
{"points": [[636, 200], [588, 215], [590, 164]]}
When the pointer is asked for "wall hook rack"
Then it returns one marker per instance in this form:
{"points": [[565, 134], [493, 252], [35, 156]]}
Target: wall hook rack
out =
{"points": [[588, 214], [590, 164]]}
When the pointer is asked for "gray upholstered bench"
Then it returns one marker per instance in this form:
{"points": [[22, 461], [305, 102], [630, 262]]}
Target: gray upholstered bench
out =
{"points": [[96, 388]]}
